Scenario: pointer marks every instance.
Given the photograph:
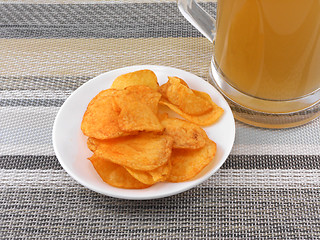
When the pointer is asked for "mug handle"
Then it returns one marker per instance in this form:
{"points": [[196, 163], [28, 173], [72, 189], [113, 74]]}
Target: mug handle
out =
{"points": [[198, 17]]}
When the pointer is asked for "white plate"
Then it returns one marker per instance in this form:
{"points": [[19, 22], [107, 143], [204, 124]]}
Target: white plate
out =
{"points": [[70, 144]]}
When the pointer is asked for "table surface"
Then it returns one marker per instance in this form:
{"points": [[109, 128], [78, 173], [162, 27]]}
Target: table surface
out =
{"points": [[269, 186]]}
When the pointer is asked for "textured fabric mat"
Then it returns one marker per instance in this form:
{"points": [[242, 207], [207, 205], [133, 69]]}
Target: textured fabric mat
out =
{"points": [[268, 188]]}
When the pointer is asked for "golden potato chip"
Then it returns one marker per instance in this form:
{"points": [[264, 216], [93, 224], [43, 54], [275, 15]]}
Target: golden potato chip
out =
{"points": [[114, 174], [202, 120], [91, 145], [136, 115], [184, 98], [187, 163], [159, 174], [164, 87], [145, 151], [141, 77], [100, 119], [145, 95], [185, 134]]}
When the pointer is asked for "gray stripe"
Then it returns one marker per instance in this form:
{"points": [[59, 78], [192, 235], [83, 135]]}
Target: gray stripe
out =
{"points": [[42, 82], [201, 212], [62, 83], [272, 162], [29, 162], [95, 21], [233, 162], [31, 102]]}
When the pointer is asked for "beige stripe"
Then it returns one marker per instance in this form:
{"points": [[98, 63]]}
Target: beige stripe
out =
{"points": [[90, 57], [35, 94], [91, 1]]}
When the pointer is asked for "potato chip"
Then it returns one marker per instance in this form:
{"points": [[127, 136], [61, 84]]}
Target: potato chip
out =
{"points": [[145, 151], [185, 134], [145, 95], [100, 119], [164, 87], [141, 77], [184, 98], [159, 174], [114, 174], [91, 145], [187, 163], [137, 115], [201, 120]]}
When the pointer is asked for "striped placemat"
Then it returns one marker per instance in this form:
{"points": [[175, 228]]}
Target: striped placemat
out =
{"points": [[269, 186]]}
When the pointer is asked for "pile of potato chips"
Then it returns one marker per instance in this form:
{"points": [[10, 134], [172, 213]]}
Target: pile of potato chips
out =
{"points": [[135, 145]]}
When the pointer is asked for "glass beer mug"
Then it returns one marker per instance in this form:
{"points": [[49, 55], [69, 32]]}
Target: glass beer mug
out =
{"points": [[266, 58]]}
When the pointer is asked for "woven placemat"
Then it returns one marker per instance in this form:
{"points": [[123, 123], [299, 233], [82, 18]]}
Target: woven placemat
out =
{"points": [[268, 188]]}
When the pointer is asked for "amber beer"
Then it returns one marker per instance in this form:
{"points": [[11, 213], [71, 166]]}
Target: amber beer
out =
{"points": [[269, 49]]}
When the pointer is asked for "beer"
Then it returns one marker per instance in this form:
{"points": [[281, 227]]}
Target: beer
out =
{"points": [[269, 49]]}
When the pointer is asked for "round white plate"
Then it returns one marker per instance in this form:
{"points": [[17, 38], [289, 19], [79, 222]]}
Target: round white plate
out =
{"points": [[71, 149]]}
